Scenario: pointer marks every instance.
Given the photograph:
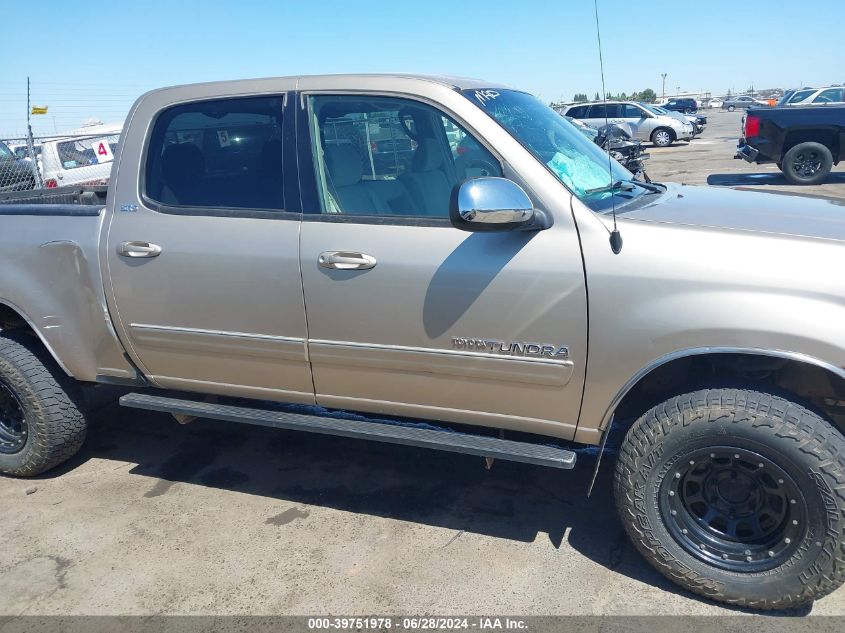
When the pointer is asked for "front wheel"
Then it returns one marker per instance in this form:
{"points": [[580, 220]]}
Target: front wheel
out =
{"points": [[662, 137], [731, 108], [737, 495]]}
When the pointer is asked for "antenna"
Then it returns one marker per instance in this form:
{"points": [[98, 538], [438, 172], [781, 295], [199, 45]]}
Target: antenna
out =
{"points": [[615, 235]]}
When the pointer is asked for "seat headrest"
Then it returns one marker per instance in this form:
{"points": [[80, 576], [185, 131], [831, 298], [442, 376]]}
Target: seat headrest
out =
{"points": [[428, 156], [344, 165], [181, 163]]}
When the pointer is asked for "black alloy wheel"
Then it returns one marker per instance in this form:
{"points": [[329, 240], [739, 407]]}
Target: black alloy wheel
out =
{"points": [[734, 509], [13, 426]]}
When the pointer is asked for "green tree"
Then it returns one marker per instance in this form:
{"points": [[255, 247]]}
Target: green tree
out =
{"points": [[580, 97], [648, 95], [597, 97]]}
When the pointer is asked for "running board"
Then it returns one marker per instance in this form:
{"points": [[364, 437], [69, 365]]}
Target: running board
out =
{"points": [[444, 440]]}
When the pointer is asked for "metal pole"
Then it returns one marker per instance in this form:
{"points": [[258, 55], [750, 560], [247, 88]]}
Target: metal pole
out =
{"points": [[30, 145], [663, 97]]}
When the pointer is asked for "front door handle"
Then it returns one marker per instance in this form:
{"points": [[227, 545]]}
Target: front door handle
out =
{"points": [[138, 249], [346, 260]]}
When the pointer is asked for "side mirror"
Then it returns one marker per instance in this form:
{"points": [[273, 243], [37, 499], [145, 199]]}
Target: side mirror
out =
{"points": [[494, 204]]}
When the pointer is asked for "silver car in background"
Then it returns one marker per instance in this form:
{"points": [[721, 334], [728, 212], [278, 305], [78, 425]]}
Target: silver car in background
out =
{"points": [[647, 123], [743, 102]]}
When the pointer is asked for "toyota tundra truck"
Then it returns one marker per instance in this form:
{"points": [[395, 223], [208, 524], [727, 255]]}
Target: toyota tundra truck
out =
{"points": [[253, 255]]}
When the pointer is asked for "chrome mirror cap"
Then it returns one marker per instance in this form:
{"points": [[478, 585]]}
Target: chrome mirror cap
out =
{"points": [[492, 204]]}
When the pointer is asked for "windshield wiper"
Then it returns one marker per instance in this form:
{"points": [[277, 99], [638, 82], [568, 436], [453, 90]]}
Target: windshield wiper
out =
{"points": [[627, 185]]}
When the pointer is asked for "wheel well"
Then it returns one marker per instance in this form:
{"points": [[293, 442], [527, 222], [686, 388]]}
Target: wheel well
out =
{"points": [[814, 386], [825, 137], [11, 320]]}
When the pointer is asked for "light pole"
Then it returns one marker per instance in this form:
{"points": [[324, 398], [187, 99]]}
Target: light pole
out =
{"points": [[663, 97]]}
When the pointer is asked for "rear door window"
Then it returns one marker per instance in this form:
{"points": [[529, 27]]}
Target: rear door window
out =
{"points": [[600, 111], [224, 153], [631, 112], [578, 112]]}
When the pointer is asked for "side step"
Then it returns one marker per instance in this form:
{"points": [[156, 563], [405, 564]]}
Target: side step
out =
{"points": [[444, 440]]}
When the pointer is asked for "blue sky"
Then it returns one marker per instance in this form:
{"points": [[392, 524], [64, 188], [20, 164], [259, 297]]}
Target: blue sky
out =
{"points": [[92, 58]]}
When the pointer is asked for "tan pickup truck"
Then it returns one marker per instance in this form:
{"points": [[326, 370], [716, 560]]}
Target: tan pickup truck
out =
{"points": [[453, 251]]}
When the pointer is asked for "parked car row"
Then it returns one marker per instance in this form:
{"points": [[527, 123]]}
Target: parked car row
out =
{"points": [[648, 123]]}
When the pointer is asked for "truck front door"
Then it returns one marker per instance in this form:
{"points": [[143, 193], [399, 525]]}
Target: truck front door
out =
{"points": [[202, 248], [408, 315]]}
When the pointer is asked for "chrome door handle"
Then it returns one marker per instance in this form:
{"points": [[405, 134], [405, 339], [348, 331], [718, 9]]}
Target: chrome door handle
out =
{"points": [[346, 260], [138, 249]]}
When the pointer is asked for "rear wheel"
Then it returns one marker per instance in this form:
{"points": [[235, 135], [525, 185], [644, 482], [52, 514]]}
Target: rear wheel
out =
{"points": [[737, 495], [731, 108], [41, 423], [807, 164], [662, 137]]}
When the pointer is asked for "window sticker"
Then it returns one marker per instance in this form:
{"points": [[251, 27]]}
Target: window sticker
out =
{"points": [[102, 152]]}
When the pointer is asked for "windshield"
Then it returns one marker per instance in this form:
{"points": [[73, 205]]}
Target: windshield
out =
{"points": [[577, 162], [651, 108], [5, 152]]}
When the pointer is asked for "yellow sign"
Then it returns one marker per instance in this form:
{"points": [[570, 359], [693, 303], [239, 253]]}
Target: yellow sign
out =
{"points": [[39, 110]]}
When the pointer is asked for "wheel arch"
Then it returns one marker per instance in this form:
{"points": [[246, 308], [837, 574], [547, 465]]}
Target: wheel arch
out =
{"points": [[632, 400], [824, 137], [795, 363], [14, 318]]}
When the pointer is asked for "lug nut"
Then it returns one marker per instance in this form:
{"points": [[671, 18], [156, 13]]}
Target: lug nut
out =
{"points": [[712, 455], [684, 531], [793, 501], [818, 543], [724, 556], [736, 455], [677, 475], [787, 540], [671, 493], [771, 553], [749, 559], [692, 462], [673, 512], [760, 465], [780, 481], [702, 547], [794, 521]]}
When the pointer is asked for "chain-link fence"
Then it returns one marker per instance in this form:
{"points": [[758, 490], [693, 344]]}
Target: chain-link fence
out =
{"points": [[52, 133], [82, 158]]}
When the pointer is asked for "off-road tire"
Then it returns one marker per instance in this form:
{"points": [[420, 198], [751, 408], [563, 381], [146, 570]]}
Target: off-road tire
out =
{"points": [[659, 139], [811, 152], [808, 449], [51, 404]]}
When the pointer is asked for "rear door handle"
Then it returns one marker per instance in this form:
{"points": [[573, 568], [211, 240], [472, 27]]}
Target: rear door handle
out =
{"points": [[138, 249], [346, 260]]}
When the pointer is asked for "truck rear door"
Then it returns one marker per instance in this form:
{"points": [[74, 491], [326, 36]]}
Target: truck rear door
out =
{"points": [[202, 247]]}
